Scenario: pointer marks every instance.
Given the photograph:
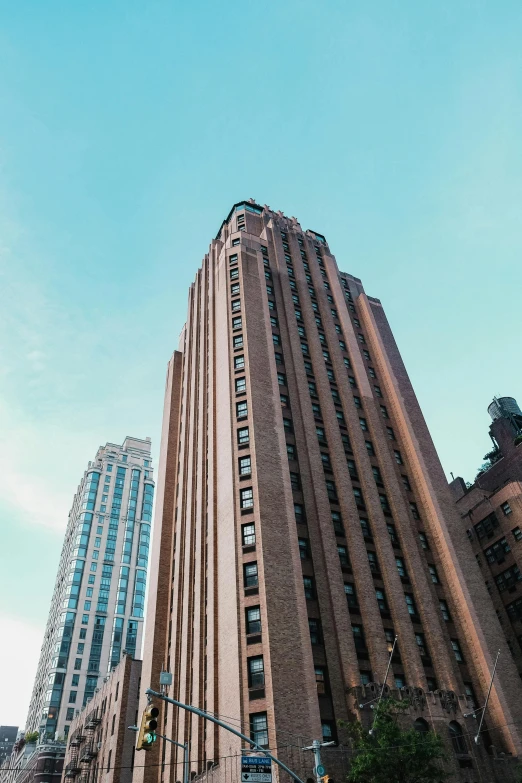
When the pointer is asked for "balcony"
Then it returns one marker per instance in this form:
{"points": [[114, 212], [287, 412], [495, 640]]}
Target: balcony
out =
{"points": [[89, 752], [92, 720], [72, 769]]}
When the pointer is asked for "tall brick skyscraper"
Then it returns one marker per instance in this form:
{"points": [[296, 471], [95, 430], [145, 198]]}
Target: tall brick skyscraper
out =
{"points": [[303, 520]]}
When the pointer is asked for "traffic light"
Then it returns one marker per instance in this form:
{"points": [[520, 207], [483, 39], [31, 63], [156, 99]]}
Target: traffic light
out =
{"points": [[148, 726]]}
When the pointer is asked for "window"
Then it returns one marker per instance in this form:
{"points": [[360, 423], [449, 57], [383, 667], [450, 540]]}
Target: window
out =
{"points": [[237, 322], [371, 372], [75, 680], [365, 527], [414, 510], [377, 476], [288, 426], [250, 574], [314, 627], [81, 648], [498, 551], [299, 513], [432, 684], [244, 466], [352, 468], [295, 481], [514, 610], [234, 289], [384, 411], [342, 345], [400, 682], [238, 341], [357, 402], [364, 424], [366, 355], [290, 451], [331, 490], [369, 448], [383, 499], [410, 604], [358, 496], [253, 620], [434, 575], [486, 526], [389, 635], [312, 388], [374, 563], [235, 242], [340, 418], [423, 538], [308, 585], [283, 398], [243, 436], [72, 697], [327, 730], [365, 677], [335, 396], [421, 644], [343, 556], [256, 672], [401, 568], [391, 436], [358, 637], [508, 578], [337, 522], [506, 508], [351, 381], [393, 534], [239, 362], [234, 274], [347, 363], [276, 339], [321, 435], [248, 534], [325, 459], [444, 610], [351, 595], [279, 358], [232, 259], [70, 713], [113, 722], [236, 305], [281, 379], [517, 534], [240, 385], [303, 548], [381, 600], [242, 409], [259, 729], [87, 604], [320, 679], [247, 498], [377, 390], [89, 590], [85, 617], [304, 349], [457, 738], [406, 483]]}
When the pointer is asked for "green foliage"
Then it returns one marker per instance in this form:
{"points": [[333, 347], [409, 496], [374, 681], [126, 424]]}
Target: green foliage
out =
{"points": [[392, 754], [31, 736]]}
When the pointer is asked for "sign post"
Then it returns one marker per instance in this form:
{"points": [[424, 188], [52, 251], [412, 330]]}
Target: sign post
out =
{"points": [[256, 769]]}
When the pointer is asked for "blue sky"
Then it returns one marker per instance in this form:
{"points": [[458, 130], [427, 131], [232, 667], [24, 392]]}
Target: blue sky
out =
{"points": [[127, 131]]}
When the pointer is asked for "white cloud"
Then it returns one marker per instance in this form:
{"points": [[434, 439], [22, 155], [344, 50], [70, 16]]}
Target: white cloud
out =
{"points": [[19, 654]]}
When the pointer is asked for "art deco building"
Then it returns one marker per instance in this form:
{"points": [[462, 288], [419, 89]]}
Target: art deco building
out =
{"points": [[491, 513], [303, 521], [98, 602]]}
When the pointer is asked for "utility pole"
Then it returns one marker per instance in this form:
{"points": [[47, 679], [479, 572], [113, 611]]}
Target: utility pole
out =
{"points": [[319, 770], [207, 716], [185, 747]]}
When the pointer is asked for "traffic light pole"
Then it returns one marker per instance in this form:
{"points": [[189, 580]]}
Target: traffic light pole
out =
{"points": [[206, 716], [185, 747]]}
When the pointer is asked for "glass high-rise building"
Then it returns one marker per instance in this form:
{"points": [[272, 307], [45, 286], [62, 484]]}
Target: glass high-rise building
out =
{"points": [[97, 606]]}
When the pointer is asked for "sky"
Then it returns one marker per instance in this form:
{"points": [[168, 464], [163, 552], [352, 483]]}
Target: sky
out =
{"points": [[127, 132]]}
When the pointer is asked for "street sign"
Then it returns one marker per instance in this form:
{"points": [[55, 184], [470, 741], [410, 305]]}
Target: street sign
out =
{"points": [[320, 770], [256, 769]]}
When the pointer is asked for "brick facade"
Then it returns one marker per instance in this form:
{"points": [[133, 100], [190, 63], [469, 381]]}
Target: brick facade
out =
{"points": [[306, 520], [100, 747]]}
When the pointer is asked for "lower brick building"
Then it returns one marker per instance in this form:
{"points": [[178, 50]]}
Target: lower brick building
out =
{"points": [[34, 762], [491, 512], [100, 746], [303, 521]]}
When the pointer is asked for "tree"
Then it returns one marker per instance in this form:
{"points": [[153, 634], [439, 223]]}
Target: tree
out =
{"points": [[31, 736], [391, 754]]}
